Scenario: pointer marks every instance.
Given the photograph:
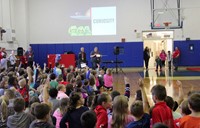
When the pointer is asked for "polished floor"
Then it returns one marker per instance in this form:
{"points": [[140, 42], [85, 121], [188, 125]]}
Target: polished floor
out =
{"points": [[190, 81]]}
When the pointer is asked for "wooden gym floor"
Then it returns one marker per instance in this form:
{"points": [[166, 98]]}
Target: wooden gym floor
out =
{"points": [[189, 79]]}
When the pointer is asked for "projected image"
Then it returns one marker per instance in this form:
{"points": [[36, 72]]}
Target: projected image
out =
{"points": [[95, 21]]}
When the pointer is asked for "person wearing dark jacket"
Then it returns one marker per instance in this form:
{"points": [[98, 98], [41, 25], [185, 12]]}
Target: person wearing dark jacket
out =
{"points": [[74, 112], [146, 54], [81, 57]]}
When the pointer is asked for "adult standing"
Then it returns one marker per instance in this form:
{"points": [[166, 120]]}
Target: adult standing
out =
{"points": [[1, 32], [176, 56], [169, 59], [146, 54], [95, 58], [12, 59], [29, 56], [163, 57], [81, 57]]}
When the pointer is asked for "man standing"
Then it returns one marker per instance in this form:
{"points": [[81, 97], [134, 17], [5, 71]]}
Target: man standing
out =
{"points": [[29, 56], [176, 55], [81, 57], [95, 58], [1, 32]]}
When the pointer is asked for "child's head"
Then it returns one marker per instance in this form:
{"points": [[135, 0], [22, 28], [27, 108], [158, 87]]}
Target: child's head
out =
{"points": [[120, 104], [32, 108], [88, 119], [59, 78], [9, 93], [19, 105], [79, 84], [57, 64], [52, 76], [158, 93], [42, 111], [94, 73], [184, 108], [138, 95], [12, 80], [22, 82], [169, 52], [105, 100], [102, 71], [137, 109], [108, 71], [114, 94], [53, 92], [34, 99], [70, 76], [194, 102], [61, 87], [170, 102], [86, 82], [76, 99]]}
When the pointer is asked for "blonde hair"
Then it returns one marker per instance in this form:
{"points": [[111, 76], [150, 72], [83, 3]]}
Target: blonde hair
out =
{"points": [[60, 87], [4, 110], [120, 111], [22, 82], [109, 72]]}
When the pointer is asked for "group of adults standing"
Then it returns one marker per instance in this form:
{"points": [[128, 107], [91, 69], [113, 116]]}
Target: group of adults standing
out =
{"points": [[160, 60], [11, 60], [94, 55]]}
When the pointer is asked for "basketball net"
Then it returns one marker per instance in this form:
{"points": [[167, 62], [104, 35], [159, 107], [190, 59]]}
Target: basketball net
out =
{"points": [[167, 24]]}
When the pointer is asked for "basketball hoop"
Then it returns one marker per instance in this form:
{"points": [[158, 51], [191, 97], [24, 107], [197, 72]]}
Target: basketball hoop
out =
{"points": [[167, 24]]}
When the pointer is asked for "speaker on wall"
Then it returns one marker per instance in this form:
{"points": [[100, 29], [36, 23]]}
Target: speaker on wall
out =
{"points": [[116, 50], [19, 51], [187, 39]]}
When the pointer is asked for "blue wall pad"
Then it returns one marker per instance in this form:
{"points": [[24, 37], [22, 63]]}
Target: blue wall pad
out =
{"points": [[132, 53]]}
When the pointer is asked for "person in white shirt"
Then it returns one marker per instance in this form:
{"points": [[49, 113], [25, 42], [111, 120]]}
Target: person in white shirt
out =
{"points": [[169, 59], [12, 59]]}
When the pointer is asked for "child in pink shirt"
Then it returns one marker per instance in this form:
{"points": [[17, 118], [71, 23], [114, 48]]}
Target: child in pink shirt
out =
{"points": [[108, 79], [59, 112]]}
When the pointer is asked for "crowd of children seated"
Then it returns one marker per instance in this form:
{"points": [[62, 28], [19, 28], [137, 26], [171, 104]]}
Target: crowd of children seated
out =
{"points": [[85, 98]]}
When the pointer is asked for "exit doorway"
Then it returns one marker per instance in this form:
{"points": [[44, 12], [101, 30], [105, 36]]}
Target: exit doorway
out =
{"points": [[157, 41]]}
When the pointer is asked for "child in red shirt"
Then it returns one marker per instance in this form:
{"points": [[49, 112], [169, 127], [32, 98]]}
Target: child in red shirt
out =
{"points": [[161, 112], [24, 91], [192, 120], [104, 101]]}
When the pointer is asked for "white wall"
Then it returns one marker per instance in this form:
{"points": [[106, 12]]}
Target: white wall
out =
{"points": [[7, 23], [21, 20], [191, 15], [45, 21]]}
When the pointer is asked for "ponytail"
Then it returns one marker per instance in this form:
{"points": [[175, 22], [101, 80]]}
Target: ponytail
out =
{"points": [[74, 98], [94, 103], [99, 99], [4, 110]]}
